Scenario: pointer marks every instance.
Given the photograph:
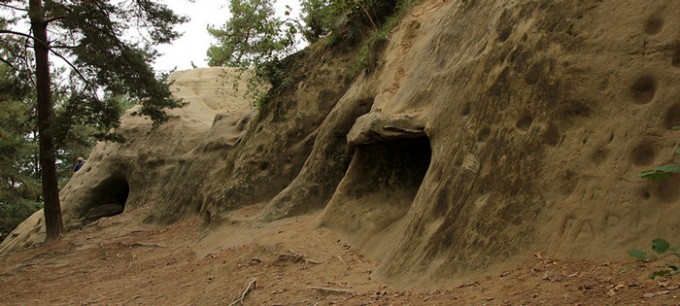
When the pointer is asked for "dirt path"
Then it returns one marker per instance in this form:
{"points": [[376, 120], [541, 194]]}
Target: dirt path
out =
{"points": [[113, 263]]}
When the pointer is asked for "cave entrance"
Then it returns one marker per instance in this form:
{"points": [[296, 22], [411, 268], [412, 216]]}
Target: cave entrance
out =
{"points": [[108, 199], [384, 179], [396, 165]]}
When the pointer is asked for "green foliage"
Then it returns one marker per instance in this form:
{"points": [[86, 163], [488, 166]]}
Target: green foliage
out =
{"points": [[667, 271], [660, 246], [637, 254], [318, 17], [252, 39], [664, 249], [660, 173], [19, 166], [664, 172], [13, 213], [253, 35], [347, 21], [370, 51], [374, 45], [92, 38], [107, 60], [19, 183]]}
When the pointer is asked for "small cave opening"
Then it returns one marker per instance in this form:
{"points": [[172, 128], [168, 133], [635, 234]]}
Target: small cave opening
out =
{"points": [[384, 178], [108, 198]]}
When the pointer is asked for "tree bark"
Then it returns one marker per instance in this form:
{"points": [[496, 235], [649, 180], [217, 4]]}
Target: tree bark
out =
{"points": [[50, 185]]}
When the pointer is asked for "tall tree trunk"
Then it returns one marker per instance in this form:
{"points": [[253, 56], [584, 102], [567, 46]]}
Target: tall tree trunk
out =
{"points": [[50, 185]]}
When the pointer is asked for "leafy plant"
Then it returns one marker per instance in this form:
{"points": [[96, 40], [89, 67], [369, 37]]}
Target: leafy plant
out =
{"points": [[664, 249], [664, 172], [660, 173]]}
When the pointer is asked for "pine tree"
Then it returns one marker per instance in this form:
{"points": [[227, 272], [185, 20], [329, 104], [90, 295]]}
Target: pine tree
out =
{"points": [[252, 36], [19, 187], [90, 36]]}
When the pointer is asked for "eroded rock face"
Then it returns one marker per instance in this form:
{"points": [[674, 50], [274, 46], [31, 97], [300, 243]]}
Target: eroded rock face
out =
{"points": [[126, 176], [538, 116], [489, 129]]}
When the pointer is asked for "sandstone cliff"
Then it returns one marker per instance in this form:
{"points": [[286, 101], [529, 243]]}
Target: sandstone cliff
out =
{"points": [[488, 129]]}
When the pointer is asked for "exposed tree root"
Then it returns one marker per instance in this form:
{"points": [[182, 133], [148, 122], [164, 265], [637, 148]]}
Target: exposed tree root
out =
{"points": [[251, 286], [293, 257]]}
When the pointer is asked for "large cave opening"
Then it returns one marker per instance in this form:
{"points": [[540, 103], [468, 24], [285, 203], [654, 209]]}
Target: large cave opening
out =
{"points": [[382, 183], [108, 199]]}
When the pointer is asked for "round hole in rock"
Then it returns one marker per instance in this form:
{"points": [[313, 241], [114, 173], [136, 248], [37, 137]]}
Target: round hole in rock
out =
{"points": [[643, 154], [524, 123], [108, 198], [654, 25], [483, 134], [643, 90]]}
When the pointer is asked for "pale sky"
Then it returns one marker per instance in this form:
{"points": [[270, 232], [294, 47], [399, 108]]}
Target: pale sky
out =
{"points": [[192, 46]]}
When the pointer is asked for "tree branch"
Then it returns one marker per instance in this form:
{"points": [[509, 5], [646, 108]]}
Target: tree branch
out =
{"points": [[88, 85], [28, 36], [63, 47], [72, 67], [14, 7], [8, 63], [48, 21], [3, 31], [26, 62]]}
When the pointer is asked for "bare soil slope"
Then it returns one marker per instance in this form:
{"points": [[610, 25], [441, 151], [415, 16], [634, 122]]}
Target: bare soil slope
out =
{"points": [[119, 261]]}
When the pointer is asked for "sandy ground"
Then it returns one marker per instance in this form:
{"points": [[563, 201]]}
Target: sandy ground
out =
{"points": [[291, 263]]}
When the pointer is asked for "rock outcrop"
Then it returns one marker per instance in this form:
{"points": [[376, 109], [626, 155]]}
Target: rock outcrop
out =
{"points": [[499, 128], [137, 173], [487, 130]]}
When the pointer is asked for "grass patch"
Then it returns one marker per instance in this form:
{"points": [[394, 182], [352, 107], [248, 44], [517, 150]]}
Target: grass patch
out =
{"points": [[374, 45]]}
